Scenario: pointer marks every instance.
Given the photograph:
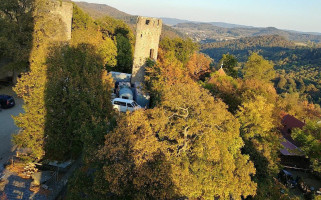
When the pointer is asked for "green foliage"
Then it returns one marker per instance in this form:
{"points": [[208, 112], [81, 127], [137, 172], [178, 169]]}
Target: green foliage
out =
{"points": [[300, 63], [258, 68], [124, 54], [66, 96], [108, 51], [77, 102], [256, 118], [113, 39], [124, 40], [80, 20], [310, 140], [227, 89], [16, 28], [31, 86], [182, 147], [230, 63], [181, 48]]}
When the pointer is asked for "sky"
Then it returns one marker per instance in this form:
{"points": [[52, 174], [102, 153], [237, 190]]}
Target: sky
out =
{"points": [[300, 15]]}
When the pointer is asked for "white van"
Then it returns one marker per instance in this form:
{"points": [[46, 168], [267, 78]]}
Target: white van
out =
{"points": [[124, 105]]}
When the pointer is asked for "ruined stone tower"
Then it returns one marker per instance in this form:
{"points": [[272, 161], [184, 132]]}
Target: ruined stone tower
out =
{"points": [[147, 41], [63, 11]]}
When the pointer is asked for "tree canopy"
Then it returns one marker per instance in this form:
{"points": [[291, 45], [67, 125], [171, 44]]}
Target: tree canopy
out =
{"points": [[258, 68]]}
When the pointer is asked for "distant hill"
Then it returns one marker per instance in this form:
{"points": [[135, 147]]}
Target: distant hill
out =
{"points": [[207, 32], [174, 21], [251, 43], [100, 10]]}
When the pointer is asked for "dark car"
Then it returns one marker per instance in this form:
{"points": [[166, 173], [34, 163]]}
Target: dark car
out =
{"points": [[6, 101]]}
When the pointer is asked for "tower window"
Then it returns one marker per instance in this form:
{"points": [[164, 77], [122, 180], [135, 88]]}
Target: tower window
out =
{"points": [[147, 22], [151, 54]]}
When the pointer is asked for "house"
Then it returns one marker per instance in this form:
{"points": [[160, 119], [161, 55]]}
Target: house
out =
{"points": [[289, 122], [290, 154]]}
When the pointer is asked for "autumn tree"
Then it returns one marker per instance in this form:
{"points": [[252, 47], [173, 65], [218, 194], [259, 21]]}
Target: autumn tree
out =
{"points": [[227, 89], [257, 67], [188, 146], [258, 130], [298, 106], [198, 66], [31, 86], [52, 124]]}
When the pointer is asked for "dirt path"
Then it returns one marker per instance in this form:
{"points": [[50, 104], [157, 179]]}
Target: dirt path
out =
{"points": [[7, 126]]}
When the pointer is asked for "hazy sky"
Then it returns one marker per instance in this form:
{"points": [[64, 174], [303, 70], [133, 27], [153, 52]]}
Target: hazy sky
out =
{"points": [[301, 15]]}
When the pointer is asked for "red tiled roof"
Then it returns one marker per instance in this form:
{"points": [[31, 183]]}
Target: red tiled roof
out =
{"points": [[291, 122]]}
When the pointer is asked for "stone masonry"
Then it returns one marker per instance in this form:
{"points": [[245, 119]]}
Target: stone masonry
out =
{"points": [[64, 11], [147, 41]]}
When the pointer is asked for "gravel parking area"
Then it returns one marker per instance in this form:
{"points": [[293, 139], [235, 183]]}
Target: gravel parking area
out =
{"points": [[7, 125]]}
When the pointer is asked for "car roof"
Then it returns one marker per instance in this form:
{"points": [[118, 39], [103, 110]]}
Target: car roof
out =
{"points": [[5, 96], [124, 100]]}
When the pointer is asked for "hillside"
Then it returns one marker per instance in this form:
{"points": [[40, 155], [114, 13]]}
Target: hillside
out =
{"points": [[301, 64], [207, 32], [174, 21], [101, 10]]}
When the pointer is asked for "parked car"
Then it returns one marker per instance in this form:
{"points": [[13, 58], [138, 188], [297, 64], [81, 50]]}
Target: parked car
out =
{"points": [[6, 101], [124, 105]]}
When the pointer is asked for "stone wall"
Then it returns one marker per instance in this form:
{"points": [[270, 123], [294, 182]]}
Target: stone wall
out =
{"points": [[147, 41], [64, 11]]}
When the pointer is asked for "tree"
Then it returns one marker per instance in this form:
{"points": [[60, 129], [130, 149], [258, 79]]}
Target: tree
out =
{"points": [[31, 86], [256, 118], [198, 66], [230, 63], [16, 28], [258, 130], [309, 139], [188, 146], [258, 68], [182, 49], [281, 83], [77, 101], [124, 40], [53, 125], [124, 54]]}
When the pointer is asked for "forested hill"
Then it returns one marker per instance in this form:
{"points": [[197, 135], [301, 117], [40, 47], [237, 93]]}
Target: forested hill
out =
{"points": [[100, 10], [299, 65], [252, 42], [274, 48], [207, 32]]}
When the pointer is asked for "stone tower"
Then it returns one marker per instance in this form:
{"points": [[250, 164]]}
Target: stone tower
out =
{"points": [[63, 11], [147, 40]]}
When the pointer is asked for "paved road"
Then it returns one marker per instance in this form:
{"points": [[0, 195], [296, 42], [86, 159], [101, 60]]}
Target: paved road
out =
{"points": [[7, 126]]}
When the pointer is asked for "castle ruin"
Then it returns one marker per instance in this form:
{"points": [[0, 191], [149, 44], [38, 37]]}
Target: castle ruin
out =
{"points": [[64, 12], [147, 40]]}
